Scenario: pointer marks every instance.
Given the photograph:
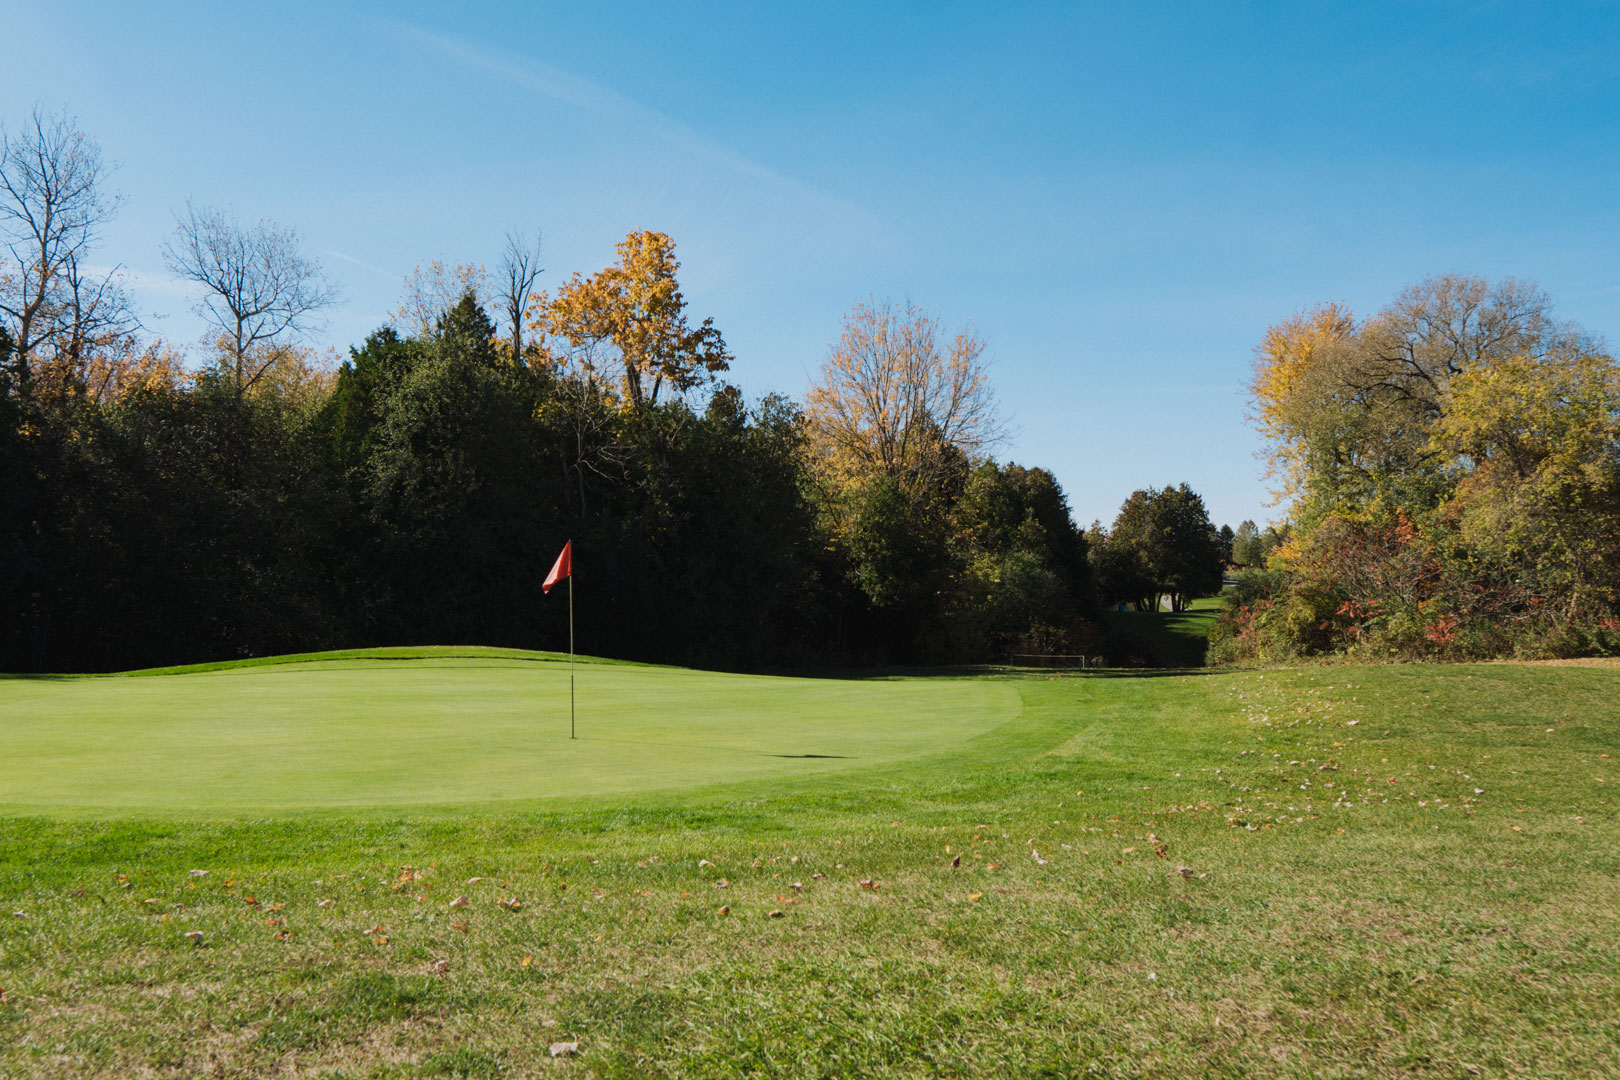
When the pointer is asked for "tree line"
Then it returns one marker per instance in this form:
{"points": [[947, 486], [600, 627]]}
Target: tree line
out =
{"points": [[167, 505], [1450, 467]]}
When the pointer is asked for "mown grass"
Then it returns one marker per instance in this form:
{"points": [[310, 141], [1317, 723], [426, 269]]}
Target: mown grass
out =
{"points": [[1388, 872], [396, 728], [1170, 639]]}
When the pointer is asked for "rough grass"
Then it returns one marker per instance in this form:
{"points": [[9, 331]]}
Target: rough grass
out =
{"points": [[1351, 906]]}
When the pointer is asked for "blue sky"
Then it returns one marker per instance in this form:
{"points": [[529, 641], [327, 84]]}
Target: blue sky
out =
{"points": [[1120, 197]]}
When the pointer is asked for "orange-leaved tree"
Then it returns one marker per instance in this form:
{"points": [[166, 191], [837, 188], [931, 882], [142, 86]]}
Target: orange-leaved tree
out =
{"points": [[628, 322]]}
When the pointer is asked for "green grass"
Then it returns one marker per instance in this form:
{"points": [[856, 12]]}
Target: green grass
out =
{"points": [[395, 728], [1176, 639], [1352, 905]]}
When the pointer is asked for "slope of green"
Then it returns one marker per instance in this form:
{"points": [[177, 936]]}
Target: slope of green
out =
{"points": [[1177, 639], [1345, 872], [411, 727]]}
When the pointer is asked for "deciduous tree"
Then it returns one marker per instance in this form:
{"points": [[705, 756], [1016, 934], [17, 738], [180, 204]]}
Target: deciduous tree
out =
{"points": [[258, 287], [628, 322]]}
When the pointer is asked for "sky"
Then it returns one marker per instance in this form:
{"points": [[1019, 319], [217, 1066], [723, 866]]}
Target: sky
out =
{"points": [[1120, 198]]}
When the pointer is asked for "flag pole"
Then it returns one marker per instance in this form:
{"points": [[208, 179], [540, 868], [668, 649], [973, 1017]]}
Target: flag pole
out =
{"points": [[570, 653]]}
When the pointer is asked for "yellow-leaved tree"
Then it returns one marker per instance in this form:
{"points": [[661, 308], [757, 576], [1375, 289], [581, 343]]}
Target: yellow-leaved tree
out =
{"points": [[627, 324], [896, 400]]}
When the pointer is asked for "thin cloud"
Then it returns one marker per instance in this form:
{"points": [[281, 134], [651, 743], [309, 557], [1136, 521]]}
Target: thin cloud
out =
{"points": [[553, 82], [362, 264]]}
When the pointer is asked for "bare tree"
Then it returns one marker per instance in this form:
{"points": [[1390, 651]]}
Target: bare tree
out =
{"points": [[258, 286], [51, 204], [892, 396], [433, 289], [520, 267]]}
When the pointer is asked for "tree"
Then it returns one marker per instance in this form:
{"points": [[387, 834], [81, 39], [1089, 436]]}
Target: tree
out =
{"points": [[1246, 546], [433, 289], [520, 269], [257, 286], [893, 400], [1174, 546], [51, 205], [1226, 537], [630, 320]]}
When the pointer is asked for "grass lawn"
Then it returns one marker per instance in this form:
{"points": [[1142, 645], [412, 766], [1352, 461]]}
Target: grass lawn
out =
{"points": [[1165, 638], [443, 727], [1328, 872]]}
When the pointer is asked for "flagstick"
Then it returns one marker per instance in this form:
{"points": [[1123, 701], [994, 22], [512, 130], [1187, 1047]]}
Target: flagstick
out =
{"points": [[570, 652]]}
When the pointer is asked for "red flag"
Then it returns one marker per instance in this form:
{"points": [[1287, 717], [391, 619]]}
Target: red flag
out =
{"points": [[564, 567]]}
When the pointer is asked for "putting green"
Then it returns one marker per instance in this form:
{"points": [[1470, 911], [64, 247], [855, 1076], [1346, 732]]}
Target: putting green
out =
{"points": [[384, 730]]}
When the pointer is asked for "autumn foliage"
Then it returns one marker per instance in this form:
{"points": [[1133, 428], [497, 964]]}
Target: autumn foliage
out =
{"points": [[1451, 467]]}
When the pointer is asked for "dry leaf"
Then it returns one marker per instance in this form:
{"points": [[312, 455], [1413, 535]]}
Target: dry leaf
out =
{"points": [[462, 926], [513, 904], [440, 966], [197, 873], [379, 928], [324, 903], [196, 936], [526, 961], [1184, 871], [379, 940], [956, 862], [796, 885], [725, 909], [975, 897], [868, 883], [775, 913], [564, 1049], [459, 902]]}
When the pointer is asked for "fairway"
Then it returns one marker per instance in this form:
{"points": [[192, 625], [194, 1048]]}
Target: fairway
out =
{"points": [[413, 728]]}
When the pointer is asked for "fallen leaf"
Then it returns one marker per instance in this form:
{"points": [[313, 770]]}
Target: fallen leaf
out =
{"points": [[196, 936], [975, 897], [459, 902], [440, 966], [564, 1049], [513, 904], [474, 880], [956, 862], [704, 862], [776, 913], [1185, 871], [526, 961], [459, 926], [197, 873], [380, 940], [868, 883], [725, 909], [324, 903], [379, 928]]}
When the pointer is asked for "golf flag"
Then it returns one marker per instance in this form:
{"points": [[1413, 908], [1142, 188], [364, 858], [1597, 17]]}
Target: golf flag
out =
{"points": [[564, 567]]}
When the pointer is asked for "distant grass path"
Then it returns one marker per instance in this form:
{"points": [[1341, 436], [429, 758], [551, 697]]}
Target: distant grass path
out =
{"points": [[447, 727]]}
